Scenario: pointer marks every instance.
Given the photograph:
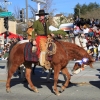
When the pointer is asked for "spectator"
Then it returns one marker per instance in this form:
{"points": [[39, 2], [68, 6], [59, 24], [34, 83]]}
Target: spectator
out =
{"points": [[91, 33], [95, 47], [76, 31], [99, 52], [0, 56], [84, 41], [85, 30], [90, 49]]}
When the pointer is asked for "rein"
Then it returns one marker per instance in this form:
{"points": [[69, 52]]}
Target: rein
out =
{"points": [[62, 46]]}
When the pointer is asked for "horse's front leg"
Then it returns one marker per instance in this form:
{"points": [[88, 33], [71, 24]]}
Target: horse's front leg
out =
{"points": [[11, 71], [66, 73], [28, 77], [56, 75]]}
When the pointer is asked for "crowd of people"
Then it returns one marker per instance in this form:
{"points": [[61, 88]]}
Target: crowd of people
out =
{"points": [[88, 37], [4, 52]]}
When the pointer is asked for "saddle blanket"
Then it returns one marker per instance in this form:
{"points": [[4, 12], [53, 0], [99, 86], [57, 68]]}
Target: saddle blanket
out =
{"points": [[28, 54]]}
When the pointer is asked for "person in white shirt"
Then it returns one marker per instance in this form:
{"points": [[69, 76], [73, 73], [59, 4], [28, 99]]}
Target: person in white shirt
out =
{"points": [[99, 52], [81, 41], [84, 41], [76, 30], [85, 30]]}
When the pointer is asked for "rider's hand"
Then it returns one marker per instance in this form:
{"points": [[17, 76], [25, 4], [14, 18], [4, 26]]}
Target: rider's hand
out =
{"points": [[34, 42], [49, 36], [52, 35]]}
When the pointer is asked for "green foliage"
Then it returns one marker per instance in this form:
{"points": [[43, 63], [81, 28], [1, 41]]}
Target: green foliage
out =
{"points": [[12, 18], [1, 9], [85, 8], [61, 19], [63, 33]]}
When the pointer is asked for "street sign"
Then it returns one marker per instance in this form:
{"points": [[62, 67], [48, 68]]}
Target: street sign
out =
{"points": [[5, 14]]}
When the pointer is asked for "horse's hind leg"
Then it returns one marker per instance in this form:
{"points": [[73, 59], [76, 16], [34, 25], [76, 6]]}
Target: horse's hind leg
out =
{"points": [[28, 77], [66, 73], [11, 71]]}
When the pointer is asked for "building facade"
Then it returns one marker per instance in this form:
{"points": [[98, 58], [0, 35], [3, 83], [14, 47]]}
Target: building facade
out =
{"points": [[12, 26]]}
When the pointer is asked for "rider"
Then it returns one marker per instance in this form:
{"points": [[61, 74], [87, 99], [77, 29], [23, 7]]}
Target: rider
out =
{"points": [[41, 28]]}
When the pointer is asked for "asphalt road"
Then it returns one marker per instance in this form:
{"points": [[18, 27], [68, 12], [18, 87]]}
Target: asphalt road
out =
{"points": [[84, 86]]}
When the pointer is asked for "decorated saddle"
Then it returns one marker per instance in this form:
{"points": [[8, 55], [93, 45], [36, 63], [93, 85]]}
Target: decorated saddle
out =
{"points": [[50, 49], [30, 51], [28, 54]]}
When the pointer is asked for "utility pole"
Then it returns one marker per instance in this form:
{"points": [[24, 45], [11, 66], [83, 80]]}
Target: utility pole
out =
{"points": [[6, 19], [38, 5], [5, 4], [26, 11], [78, 12]]}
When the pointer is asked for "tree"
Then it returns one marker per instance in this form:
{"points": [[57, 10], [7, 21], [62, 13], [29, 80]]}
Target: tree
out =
{"points": [[95, 13], [87, 11], [77, 10], [48, 7], [1, 9], [17, 10], [33, 11]]}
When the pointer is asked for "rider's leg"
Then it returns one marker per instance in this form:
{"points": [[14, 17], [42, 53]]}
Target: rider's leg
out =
{"points": [[43, 53]]}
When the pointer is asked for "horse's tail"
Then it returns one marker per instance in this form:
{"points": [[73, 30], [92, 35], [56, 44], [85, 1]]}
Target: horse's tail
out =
{"points": [[8, 60]]}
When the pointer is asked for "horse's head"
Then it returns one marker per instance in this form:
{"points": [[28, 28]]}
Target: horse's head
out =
{"points": [[78, 67]]}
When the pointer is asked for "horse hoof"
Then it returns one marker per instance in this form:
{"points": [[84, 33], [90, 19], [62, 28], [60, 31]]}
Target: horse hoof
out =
{"points": [[61, 90], [8, 90], [56, 92], [36, 90]]}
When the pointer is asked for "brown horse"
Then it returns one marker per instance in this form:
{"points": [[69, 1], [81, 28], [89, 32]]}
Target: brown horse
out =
{"points": [[65, 52]]}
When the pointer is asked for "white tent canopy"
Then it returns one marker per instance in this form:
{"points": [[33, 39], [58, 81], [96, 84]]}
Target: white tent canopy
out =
{"points": [[52, 28], [66, 26]]}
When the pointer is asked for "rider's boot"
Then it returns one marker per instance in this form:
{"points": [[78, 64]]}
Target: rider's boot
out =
{"points": [[43, 62]]}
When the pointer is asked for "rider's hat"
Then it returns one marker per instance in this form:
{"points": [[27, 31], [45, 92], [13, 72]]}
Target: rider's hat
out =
{"points": [[41, 12]]}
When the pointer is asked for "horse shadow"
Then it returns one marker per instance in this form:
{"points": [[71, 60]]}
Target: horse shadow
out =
{"points": [[39, 80], [96, 83]]}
